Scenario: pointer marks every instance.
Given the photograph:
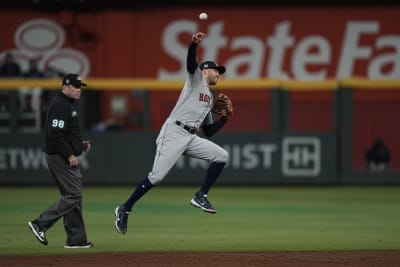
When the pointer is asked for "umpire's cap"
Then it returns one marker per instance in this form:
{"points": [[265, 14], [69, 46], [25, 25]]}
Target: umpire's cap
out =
{"points": [[212, 65], [73, 79]]}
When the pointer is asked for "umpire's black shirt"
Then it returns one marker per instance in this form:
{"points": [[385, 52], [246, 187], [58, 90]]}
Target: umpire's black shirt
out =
{"points": [[62, 134]]}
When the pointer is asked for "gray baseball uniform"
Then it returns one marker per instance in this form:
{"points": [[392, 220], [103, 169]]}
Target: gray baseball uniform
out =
{"points": [[178, 136], [192, 108]]}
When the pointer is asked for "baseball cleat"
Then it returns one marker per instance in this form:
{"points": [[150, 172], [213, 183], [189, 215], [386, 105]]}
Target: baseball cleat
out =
{"points": [[80, 245], [121, 221], [200, 201], [38, 232]]}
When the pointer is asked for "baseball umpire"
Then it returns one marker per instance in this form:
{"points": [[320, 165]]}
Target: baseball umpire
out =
{"points": [[179, 134], [63, 145]]}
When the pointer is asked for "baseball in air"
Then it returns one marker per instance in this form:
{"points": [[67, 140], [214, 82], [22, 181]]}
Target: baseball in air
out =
{"points": [[203, 16]]}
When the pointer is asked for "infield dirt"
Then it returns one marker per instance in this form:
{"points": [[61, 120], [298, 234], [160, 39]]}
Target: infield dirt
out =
{"points": [[275, 259]]}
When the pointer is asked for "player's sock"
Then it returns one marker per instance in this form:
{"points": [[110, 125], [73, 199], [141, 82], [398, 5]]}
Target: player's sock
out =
{"points": [[141, 189], [212, 174]]}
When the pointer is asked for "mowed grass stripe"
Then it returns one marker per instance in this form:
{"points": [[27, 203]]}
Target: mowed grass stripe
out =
{"points": [[248, 219]]}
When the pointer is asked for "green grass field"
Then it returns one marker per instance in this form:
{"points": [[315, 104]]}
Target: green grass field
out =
{"points": [[248, 219]]}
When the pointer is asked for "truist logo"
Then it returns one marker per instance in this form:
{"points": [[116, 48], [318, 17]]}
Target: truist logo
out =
{"points": [[301, 156], [204, 98]]}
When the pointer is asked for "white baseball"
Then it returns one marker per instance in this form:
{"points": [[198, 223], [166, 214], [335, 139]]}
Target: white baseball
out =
{"points": [[203, 16]]}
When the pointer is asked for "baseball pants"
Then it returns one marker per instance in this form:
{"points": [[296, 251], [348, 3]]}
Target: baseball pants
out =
{"points": [[173, 141], [69, 206]]}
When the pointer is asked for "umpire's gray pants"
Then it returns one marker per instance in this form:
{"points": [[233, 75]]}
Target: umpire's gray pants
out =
{"points": [[69, 183]]}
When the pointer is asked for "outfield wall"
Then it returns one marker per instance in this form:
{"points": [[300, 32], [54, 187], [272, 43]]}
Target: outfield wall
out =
{"points": [[304, 119], [135, 74], [121, 158]]}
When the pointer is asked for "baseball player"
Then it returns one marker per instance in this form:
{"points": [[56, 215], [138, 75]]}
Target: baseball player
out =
{"points": [[178, 135], [63, 144]]}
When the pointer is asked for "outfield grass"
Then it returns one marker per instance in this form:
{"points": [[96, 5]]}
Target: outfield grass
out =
{"points": [[248, 219]]}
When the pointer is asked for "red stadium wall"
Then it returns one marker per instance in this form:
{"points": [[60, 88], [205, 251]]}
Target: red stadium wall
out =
{"points": [[286, 43], [311, 111], [375, 115]]}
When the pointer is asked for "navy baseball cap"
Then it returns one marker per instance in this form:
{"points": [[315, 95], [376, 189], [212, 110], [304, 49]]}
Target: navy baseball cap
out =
{"points": [[212, 65], [73, 79]]}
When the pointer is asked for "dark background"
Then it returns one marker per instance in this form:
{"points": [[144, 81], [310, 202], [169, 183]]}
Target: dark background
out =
{"points": [[88, 5]]}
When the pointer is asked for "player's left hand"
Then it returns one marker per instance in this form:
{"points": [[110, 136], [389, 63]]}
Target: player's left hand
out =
{"points": [[223, 106]]}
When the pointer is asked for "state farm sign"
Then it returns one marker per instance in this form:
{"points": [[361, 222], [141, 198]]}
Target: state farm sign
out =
{"points": [[362, 50], [284, 43]]}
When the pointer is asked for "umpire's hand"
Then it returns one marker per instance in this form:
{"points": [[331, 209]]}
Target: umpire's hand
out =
{"points": [[73, 161], [86, 145]]}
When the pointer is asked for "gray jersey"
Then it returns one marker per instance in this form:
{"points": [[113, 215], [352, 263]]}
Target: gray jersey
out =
{"points": [[192, 109], [194, 102]]}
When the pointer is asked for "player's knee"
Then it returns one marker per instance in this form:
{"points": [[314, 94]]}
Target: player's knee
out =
{"points": [[223, 156], [155, 179]]}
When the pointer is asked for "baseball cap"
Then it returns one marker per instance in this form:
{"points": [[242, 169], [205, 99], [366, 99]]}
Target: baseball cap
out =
{"points": [[73, 79], [212, 65]]}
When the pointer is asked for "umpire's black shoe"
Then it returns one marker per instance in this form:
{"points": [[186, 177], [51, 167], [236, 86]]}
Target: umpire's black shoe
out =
{"points": [[80, 245], [121, 222], [38, 232], [200, 201]]}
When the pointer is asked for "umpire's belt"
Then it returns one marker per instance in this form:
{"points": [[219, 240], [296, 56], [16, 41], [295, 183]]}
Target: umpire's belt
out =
{"points": [[191, 130]]}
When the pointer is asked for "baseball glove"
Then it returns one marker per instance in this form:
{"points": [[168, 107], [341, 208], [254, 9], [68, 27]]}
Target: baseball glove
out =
{"points": [[223, 106]]}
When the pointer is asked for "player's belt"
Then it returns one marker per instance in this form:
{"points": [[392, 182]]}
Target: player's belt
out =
{"points": [[191, 130]]}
